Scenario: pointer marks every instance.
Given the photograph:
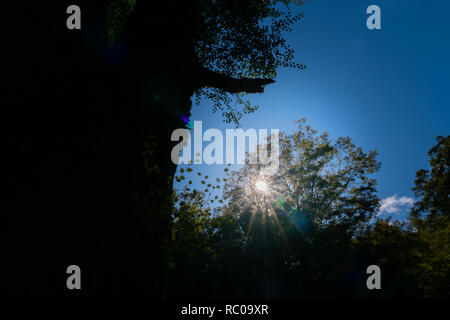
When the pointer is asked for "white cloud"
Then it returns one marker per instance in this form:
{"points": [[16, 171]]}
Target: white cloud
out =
{"points": [[395, 204]]}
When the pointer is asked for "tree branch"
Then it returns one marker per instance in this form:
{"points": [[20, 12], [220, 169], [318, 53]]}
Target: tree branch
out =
{"points": [[213, 79]]}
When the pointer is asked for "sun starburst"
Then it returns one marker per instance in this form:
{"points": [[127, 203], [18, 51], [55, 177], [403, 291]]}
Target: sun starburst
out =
{"points": [[261, 186]]}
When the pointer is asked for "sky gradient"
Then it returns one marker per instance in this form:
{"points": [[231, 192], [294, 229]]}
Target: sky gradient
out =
{"points": [[386, 89]]}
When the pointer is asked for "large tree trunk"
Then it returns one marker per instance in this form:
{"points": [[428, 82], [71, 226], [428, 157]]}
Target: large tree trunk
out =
{"points": [[88, 143], [79, 190]]}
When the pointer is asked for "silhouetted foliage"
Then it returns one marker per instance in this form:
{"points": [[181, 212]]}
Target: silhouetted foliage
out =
{"points": [[309, 233], [230, 43], [432, 187]]}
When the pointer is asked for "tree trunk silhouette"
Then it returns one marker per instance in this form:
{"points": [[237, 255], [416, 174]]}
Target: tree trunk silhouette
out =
{"points": [[88, 147]]}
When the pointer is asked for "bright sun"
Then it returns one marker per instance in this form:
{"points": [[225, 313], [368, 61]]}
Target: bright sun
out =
{"points": [[261, 186]]}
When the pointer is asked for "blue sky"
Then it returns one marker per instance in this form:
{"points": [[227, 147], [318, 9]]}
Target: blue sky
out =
{"points": [[387, 89]]}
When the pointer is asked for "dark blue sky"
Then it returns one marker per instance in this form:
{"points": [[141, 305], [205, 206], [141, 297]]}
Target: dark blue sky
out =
{"points": [[387, 89]]}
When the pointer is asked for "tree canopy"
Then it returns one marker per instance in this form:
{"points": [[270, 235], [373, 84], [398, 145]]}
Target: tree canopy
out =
{"points": [[228, 47], [432, 187], [307, 230]]}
